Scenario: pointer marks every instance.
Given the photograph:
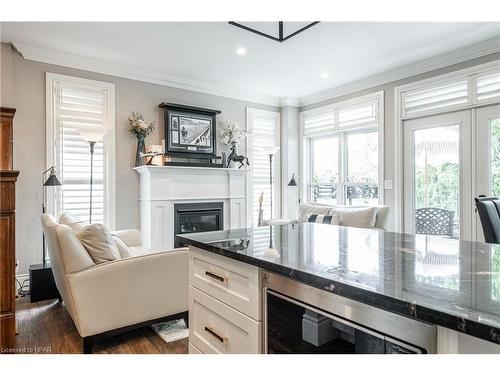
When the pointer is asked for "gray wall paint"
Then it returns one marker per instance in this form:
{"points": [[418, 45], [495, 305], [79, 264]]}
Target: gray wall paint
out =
{"points": [[5, 76], [389, 165], [23, 87], [28, 96]]}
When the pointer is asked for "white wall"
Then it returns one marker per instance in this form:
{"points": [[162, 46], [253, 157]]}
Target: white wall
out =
{"points": [[390, 195], [28, 96]]}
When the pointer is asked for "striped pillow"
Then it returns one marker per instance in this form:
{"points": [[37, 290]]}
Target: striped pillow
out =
{"points": [[324, 219]]}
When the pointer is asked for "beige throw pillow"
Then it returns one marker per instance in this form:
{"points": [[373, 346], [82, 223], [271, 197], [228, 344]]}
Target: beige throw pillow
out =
{"points": [[356, 217], [97, 240], [72, 221], [125, 251]]}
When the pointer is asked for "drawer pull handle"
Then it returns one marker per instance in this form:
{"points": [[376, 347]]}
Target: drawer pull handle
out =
{"points": [[216, 277], [220, 338]]}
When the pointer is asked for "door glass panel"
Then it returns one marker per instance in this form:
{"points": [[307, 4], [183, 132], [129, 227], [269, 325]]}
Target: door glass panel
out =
{"points": [[437, 181], [325, 170], [495, 157]]}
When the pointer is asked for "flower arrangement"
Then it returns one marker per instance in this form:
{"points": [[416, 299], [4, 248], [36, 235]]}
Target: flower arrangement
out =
{"points": [[231, 133], [140, 127]]}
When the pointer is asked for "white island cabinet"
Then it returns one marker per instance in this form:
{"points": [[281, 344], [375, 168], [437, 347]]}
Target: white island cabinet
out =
{"points": [[224, 305]]}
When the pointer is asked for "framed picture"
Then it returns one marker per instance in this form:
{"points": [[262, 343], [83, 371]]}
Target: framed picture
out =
{"points": [[190, 131]]}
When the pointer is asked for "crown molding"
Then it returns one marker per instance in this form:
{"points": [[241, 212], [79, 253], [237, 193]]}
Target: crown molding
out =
{"points": [[49, 56], [453, 57], [290, 101]]}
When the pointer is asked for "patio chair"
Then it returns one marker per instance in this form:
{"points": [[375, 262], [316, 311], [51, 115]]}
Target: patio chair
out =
{"points": [[434, 221]]}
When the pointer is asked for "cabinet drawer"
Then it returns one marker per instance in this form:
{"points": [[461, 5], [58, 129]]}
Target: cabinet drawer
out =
{"points": [[193, 349], [232, 282], [215, 327]]}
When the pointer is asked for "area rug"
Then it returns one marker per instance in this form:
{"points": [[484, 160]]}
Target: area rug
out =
{"points": [[171, 331]]}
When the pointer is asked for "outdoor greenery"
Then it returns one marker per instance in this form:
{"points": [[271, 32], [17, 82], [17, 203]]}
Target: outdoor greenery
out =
{"points": [[442, 186]]}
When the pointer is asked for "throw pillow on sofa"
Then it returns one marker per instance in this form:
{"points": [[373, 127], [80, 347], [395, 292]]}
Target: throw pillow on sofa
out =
{"points": [[356, 217], [324, 219], [305, 210], [72, 221], [97, 240], [123, 249]]}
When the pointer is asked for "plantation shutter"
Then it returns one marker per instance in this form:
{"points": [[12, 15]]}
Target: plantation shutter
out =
{"points": [[439, 97], [488, 87], [264, 132], [319, 124], [80, 107], [360, 115]]}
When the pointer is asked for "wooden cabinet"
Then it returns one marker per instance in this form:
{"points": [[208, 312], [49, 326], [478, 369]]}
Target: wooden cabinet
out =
{"points": [[224, 305], [8, 179], [6, 137]]}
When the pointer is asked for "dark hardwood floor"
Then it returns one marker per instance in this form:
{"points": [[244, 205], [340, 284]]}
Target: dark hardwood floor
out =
{"points": [[46, 327]]}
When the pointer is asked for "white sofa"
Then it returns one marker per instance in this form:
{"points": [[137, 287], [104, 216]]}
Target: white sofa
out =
{"points": [[116, 296], [376, 216]]}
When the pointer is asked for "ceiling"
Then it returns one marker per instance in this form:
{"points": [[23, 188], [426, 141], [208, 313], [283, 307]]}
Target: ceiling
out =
{"points": [[203, 54]]}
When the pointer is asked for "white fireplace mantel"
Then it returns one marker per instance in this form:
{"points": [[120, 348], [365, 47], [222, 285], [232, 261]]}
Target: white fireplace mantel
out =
{"points": [[162, 187]]}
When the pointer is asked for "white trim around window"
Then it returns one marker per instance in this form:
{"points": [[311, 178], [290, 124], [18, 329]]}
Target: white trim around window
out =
{"points": [[54, 83], [330, 123]]}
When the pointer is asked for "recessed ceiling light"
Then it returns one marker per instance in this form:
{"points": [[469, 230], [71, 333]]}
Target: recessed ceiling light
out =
{"points": [[241, 51], [325, 75]]}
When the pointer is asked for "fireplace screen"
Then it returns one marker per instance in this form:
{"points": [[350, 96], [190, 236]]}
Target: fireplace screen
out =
{"points": [[197, 217]]}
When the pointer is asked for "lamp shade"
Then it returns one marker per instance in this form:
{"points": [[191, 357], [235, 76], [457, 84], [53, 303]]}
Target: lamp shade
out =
{"points": [[92, 135], [293, 182], [52, 180], [270, 150]]}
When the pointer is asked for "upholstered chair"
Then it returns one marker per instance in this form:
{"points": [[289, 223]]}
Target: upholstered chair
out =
{"points": [[113, 297]]}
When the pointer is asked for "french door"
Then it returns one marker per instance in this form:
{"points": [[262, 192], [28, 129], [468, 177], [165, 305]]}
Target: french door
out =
{"points": [[438, 175], [487, 120], [448, 160]]}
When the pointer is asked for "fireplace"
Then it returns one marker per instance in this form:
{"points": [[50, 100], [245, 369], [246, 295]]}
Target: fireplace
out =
{"points": [[197, 217]]}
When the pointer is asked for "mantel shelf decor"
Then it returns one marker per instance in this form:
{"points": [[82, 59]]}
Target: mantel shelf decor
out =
{"points": [[141, 129], [190, 133]]}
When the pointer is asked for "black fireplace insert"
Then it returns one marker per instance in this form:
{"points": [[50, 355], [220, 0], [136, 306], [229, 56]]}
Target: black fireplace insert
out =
{"points": [[197, 217]]}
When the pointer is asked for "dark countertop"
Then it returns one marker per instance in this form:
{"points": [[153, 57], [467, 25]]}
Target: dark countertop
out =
{"points": [[450, 283]]}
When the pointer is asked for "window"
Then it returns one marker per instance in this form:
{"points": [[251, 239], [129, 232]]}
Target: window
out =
{"points": [[343, 148], [263, 127], [74, 104]]}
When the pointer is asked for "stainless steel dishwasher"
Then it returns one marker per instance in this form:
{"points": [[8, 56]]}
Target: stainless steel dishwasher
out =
{"points": [[302, 319]]}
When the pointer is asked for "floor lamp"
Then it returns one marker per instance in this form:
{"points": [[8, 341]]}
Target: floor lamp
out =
{"points": [[271, 151], [52, 180], [92, 136]]}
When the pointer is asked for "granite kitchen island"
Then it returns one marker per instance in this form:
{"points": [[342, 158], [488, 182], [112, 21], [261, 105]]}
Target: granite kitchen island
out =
{"points": [[449, 287]]}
